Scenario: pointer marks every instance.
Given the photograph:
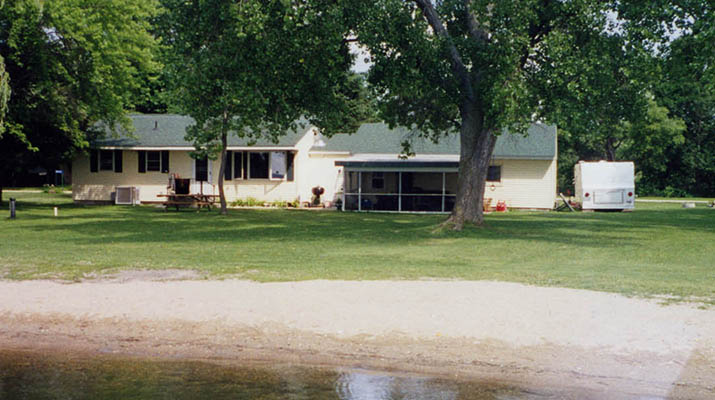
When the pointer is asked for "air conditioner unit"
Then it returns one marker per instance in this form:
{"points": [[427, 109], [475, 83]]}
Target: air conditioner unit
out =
{"points": [[127, 195]]}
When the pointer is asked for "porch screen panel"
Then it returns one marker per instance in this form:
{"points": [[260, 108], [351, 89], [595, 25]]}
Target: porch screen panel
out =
{"points": [[450, 187], [380, 182], [351, 184], [380, 191], [422, 191]]}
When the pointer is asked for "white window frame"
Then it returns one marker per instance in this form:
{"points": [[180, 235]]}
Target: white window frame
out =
{"points": [[146, 161]]}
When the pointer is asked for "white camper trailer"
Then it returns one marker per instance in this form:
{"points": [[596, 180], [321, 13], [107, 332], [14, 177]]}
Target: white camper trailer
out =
{"points": [[604, 185]]}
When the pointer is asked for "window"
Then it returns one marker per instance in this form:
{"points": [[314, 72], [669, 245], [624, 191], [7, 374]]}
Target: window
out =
{"points": [[202, 170], [494, 173], [106, 160], [278, 165], [153, 161], [258, 165], [157, 161]]}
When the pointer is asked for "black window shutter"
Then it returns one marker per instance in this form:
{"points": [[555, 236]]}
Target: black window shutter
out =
{"points": [[245, 164], [142, 161], [117, 161], [289, 161], [94, 161], [228, 168], [238, 164], [165, 161]]}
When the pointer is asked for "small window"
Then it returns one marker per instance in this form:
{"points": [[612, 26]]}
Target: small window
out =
{"points": [[106, 160], [378, 180], [153, 161], [494, 173], [278, 165], [258, 166]]}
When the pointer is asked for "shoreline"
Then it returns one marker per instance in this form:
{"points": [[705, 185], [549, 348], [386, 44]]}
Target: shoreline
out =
{"points": [[512, 334]]}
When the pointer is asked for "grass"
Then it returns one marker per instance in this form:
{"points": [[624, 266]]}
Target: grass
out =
{"points": [[659, 249]]}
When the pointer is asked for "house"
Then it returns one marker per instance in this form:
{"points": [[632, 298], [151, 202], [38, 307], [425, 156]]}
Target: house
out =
{"points": [[362, 170]]}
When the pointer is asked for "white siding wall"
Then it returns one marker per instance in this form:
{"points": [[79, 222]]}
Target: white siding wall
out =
{"points": [[98, 186], [524, 184]]}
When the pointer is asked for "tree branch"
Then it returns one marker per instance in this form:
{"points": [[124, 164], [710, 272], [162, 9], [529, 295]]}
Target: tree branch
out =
{"points": [[458, 68], [474, 30]]}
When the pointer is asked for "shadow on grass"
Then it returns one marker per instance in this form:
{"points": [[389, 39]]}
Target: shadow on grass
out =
{"points": [[124, 224]]}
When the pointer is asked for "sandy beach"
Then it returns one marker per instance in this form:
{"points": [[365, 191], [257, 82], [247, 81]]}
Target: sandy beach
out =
{"points": [[577, 341]]}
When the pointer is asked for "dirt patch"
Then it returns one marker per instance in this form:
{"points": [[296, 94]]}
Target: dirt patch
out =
{"points": [[516, 334]]}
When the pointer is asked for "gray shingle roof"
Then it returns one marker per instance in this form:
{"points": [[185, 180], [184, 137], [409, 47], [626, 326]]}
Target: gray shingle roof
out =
{"points": [[170, 131], [378, 138], [373, 138]]}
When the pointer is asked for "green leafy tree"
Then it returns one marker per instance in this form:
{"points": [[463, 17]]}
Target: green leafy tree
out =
{"points": [[646, 141], [471, 66], [254, 68], [681, 34], [73, 63], [593, 88]]}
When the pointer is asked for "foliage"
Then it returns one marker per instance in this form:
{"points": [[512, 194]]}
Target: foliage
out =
{"points": [[651, 251], [593, 89], [646, 142], [476, 67], [680, 35], [247, 202], [253, 69], [72, 63]]}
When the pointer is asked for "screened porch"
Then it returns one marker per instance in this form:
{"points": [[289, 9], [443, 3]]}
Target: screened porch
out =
{"points": [[395, 190]]}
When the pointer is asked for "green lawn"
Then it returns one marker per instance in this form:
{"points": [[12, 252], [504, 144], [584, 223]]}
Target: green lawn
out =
{"points": [[660, 249]]}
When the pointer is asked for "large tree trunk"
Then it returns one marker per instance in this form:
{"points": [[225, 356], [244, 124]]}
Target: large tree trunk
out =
{"points": [[222, 173], [477, 145]]}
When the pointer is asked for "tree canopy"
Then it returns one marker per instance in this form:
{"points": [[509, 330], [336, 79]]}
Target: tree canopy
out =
{"points": [[253, 69], [476, 67], [72, 63]]}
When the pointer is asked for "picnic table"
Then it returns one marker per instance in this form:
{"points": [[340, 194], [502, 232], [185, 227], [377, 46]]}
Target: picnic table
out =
{"points": [[193, 199]]}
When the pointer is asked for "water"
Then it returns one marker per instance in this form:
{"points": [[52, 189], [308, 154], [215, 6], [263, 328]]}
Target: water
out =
{"points": [[32, 376]]}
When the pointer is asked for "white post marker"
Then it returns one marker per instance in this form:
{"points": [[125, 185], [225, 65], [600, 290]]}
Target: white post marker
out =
{"points": [[55, 210]]}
